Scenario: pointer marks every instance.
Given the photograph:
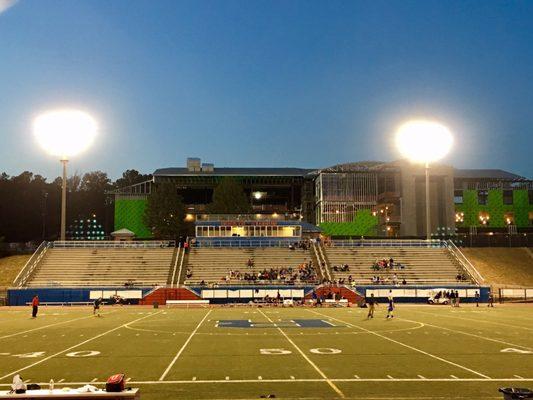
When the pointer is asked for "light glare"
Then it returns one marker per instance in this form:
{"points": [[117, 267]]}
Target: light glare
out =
{"points": [[423, 141], [64, 133]]}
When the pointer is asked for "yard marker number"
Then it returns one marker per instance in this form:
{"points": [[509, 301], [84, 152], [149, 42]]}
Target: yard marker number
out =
{"points": [[513, 350]]}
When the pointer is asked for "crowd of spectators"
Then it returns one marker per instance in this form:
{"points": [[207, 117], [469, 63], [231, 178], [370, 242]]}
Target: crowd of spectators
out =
{"points": [[304, 272], [387, 265]]}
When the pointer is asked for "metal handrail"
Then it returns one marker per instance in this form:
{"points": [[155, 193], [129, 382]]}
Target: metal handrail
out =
{"points": [[178, 254], [112, 244], [321, 254], [389, 243], [245, 243], [465, 262], [30, 265]]}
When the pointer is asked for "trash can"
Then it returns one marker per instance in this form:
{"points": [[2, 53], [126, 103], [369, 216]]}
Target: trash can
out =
{"points": [[516, 393], [156, 304]]}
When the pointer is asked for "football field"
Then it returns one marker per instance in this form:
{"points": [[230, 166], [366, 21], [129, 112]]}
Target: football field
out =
{"points": [[425, 352]]}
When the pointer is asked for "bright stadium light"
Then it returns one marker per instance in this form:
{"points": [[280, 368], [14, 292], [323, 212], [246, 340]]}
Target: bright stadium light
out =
{"points": [[64, 133], [424, 142]]}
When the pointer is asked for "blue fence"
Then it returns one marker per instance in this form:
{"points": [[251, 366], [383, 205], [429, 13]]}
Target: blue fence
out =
{"points": [[19, 297]]}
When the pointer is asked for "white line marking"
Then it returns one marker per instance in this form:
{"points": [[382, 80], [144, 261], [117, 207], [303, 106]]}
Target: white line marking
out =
{"points": [[75, 346], [292, 377], [322, 374], [194, 378], [519, 377], [390, 377], [468, 334], [227, 378], [475, 320], [454, 377], [183, 347], [410, 347], [421, 377], [61, 380], [94, 380], [46, 326], [300, 380], [356, 376], [128, 379], [260, 377]]}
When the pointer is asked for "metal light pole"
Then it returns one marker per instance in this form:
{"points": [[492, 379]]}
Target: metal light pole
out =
{"points": [[64, 161], [428, 216]]}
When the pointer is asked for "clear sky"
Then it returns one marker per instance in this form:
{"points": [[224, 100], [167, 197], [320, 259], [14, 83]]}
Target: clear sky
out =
{"points": [[267, 83]]}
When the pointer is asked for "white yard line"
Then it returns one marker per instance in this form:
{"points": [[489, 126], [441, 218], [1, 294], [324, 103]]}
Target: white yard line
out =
{"points": [[48, 326], [470, 334], [322, 374], [76, 345], [183, 347], [474, 320], [408, 346], [217, 381]]}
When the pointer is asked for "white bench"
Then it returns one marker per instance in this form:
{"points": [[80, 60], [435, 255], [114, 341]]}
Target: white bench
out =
{"points": [[186, 302], [132, 394]]}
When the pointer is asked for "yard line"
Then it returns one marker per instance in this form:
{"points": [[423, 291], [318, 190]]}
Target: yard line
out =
{"points": [[322, 374], [474, 320], [470, 334], [76, 345], [183, 347], [48, 326], [410, 347]]}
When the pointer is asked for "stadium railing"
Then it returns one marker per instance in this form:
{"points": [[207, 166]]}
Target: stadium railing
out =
{"points": [[516, 294], [112, 244], [389, 243], [26, 271], [282, 242], [464, 262]]}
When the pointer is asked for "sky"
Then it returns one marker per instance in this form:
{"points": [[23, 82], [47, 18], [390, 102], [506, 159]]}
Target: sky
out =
{"points": [[266, 83]]}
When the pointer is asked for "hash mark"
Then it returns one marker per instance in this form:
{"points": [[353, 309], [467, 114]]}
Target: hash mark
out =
{"points": [[390, 377], [292, 377], [260, 377], [421, 377], [227, 378], [356, 376], [194, 378], [519, 377], [94, 380], [454, 377]]}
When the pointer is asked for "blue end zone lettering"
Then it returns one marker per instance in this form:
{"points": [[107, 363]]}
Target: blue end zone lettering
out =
{"points": [[296, 323]]}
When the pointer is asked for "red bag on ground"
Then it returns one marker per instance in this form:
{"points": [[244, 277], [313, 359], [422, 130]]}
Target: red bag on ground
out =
{"points": [[115, 383]]}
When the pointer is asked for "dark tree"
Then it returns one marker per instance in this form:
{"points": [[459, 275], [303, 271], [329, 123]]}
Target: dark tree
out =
{"points": [[131, 177], [229, 198], [165, 212]]}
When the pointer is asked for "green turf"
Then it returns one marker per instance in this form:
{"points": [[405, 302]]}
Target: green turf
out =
{"points": [[425, 352]]}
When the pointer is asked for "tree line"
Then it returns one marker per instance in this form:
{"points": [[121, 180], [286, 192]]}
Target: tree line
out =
{"points": [[30, 206]]}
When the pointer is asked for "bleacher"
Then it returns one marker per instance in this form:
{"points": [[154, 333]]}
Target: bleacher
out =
{"points": [[78, 267], [423, 265], [212, 265]]}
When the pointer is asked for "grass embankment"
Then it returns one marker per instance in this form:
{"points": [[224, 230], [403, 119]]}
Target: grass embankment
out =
{"points": [[10, 267], [503, 266]]}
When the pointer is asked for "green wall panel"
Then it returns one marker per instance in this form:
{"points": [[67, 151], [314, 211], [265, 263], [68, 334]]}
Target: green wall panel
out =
{"points": [[364, 224], [495, 208], [129, 214]]}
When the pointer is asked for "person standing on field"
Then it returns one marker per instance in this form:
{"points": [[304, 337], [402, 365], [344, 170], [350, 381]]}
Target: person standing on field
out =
{"points": [[371, 302], [35, 306]]}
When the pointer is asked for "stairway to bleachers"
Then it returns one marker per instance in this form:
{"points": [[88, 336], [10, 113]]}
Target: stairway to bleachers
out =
{"points": [[423, 265], [212, 264], [78, 267]]}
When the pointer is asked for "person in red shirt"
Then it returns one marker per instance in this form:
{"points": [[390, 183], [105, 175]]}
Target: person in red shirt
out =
{"points": [[35, 306]]}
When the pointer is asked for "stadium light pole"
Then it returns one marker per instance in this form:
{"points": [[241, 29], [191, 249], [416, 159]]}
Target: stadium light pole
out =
{"points": [[424, 142], [64, 133]]}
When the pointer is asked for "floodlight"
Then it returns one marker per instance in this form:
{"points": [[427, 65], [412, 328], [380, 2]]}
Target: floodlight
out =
{"points": [[423, 141], [64, 133], [257, 195]]}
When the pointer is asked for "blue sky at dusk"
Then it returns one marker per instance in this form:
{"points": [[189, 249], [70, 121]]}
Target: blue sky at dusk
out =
{"points": [[267, 83]]}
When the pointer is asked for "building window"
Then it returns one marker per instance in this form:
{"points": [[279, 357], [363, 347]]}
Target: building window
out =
{"points": [[508, 197], [458, 197], [530, 195], [482, 197]]}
